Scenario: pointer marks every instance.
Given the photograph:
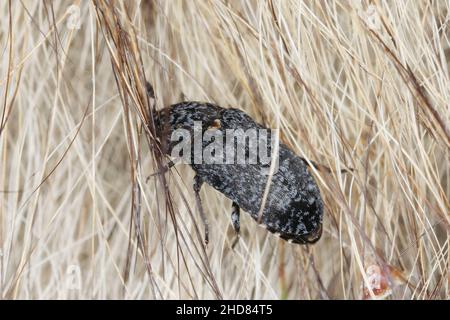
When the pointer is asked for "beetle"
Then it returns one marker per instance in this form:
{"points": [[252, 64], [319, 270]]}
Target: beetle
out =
{"points": [[293, 207]]}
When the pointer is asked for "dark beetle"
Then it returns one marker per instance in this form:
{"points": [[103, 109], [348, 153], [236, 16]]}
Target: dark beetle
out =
{"points": [[293, 207]]}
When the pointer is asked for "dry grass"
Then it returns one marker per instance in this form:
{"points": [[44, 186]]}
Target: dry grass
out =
{"points": [[350, 85]]}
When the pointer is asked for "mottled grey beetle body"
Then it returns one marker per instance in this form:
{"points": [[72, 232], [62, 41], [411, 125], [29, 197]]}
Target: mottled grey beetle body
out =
{"points": [[293, 207]]}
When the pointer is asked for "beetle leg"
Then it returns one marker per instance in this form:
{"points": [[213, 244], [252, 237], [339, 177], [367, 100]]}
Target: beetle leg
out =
{"points": [[170, 164], [198, 182], [235, 211], [235, 221]]}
